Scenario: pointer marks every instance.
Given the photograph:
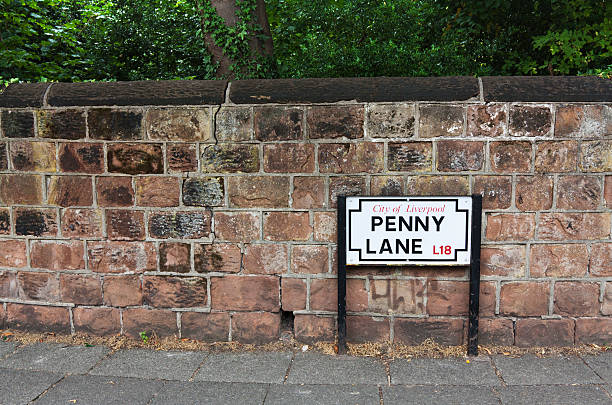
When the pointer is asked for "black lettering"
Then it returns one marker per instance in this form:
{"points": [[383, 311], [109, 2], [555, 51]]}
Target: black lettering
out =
{"points": [[424, 225], [403, 223], [376, 221], [386, 246], [438, 222], [368, 250], [399, 244], [390, 224], [416, 246]]}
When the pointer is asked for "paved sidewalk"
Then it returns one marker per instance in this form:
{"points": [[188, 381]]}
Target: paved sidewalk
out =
{"points": [[46, 373]]}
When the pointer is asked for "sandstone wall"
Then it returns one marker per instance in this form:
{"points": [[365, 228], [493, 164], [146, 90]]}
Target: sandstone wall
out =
{"points": [[207, 209]]}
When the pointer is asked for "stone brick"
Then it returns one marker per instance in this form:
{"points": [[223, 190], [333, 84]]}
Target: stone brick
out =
{"points": [[80, 289], [501, 227], [78, 157], [38, 318], [265, 258], [571, 260], [324, 226], [180, 225], [230, 158], [202, 192], [364, 157], [33, 156], [530, 120], [114, 191], [556, 156], [250, 293], [174, 292], [158, 321], [237, 226], [335, 122], [415, 331], [486, 120], [121, 257], [122, 291], [594, 331], [293, 294], [35, 221], [111, 124], [391, 121], [438, 185], [544, 332], [135, 158], [308, 192], [606, 306], [20, 189], [259, 191], [510, 157], [255, 327], [503, 260], [458, 156], [440, 120], [312, 328], [182, 158], [5, 221], [488, 298], [363, 329], [8, 285], [534, 193], [289, 158], [175, 257], [601, 259], [223, 257], [3, 156], [278, 123], [574, 226], [17, 124], [447, 297], [578, 192], [324, 294], [310, 259], [179, 124], [524, 299], [348, 186], [576, 299], [596, 156], [57, 255], [397, 296], [70, 191], [125, 225], [61, 124], [583, 121], [13, 253], [493, 331], [608, 191], [289, 226], [97, 321], [495, 190], [38, 287], [386, 185], [233, 124], [410, 157], [207, 327], [157, 191]]}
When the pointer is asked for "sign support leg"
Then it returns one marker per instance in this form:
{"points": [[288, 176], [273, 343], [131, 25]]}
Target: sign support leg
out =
{"points": [[474, 275], [341, 275]]}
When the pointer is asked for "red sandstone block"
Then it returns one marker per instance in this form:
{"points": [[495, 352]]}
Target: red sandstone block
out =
{"points": [[335, 122], [608, 191], [175, 257], [438, 185], [495, 331], [544, 332], [289, 158], [324, 295], [121, 257], [38, 286], [20, 189], [81, 223], [459, 156], [182, 158], [308, 192], [486, 120], [595, 156], [391, 121], [207, 327], [56, 255], [159, 321], [33, 156], [510, 157], [416, 331], [397, 296], [556, 156], [8, 285], [80, 289], [38, 318], [324, 224], [122, 291], [180, 224], [79, 157], [233, 124], [594, 330], [510, 227], [287, 226], [5, 221], [582, 121], [223, 257], [440, 120], [570, 260], [576, 299], [157, 191], [175, 292], [534, 193], [135, 158], [364, 157], [601, 260], [529, 120], [13, 253], [35, 221], [179, 124], [69, 191], [2, 316], [524, 299], [488, 298], [349, 185], [96, 321], [265, 258], [278, 123], [606, 306], [311, 259], [574, 226], [495, 190], [255, 327], [312, 328], [447, 297], [125, 225], [63, 124], [240, 293], [578, 192], [229, 158], [503, 260], [387, 185], [362, 329], [259, 191], [237, 226], [115, 191], [293, 292]]}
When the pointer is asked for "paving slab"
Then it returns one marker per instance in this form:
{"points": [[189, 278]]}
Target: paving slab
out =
{"points": [[530, 370], [54, 357], [22, 386], [7, 348], [439, 394], [443, 372], [322, 394], [553, 394], [245, 367], [318, 368], [218, 393], [95, 390], [601, 364], [151, 364]]}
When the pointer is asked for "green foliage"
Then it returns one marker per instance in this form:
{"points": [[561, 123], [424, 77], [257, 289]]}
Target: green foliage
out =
{"points": [[144, 337]]}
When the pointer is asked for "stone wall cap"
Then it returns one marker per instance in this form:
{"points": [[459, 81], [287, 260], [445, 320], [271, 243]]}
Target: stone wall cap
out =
{"points": [[21, 95], [547, 88]]}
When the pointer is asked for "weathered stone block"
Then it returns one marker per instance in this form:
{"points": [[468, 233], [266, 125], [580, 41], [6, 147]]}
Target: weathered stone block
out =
{"points": [[174, 292], [440, 120], [438, 185], [608, 191], [570, 260], [255, 327], [510, 157], [265, 258], [38, 286], [20, 189], [502, 227], [13, 253], [350, 185], [114, 191], [61, 124], [121, 257], [447, 297], [310, 259], [223, 257], [233, 124], [35, 221], [556, 156], [56, 255], [410, 157], [8, 284], [596, 156], [159, 321], [111, 124], [601, 259], [503, 260], [157, 191], [230, 158], [544, 332], [125, 225], [33, 156], [495, 190], [583, 121], [293, 294], [594, 330], [81, 157], [534, 193], [287, 226], [324, 226], [175, 257], [391, 121], [289, 158], [308, 192], [362, 329], [203, 192], [259, 191], [416, 331], [179, 225], [3, 156], [486, 120], [96, 321], [335, 122], [606, 306], [524, 299], [207, 327], [386, 185], [38, 318], [179, 124], [17, 124], [135, 158], [81, 223], [578, 192], [122, 291], [237, 226], [458, 156], [530, 120], [576, 298], [312, 328], [182, 158], [70, 191], [240, 293], [492, 331], [5, 221], [574, 226], [80, 289], [397, 296], [278, 123]]}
